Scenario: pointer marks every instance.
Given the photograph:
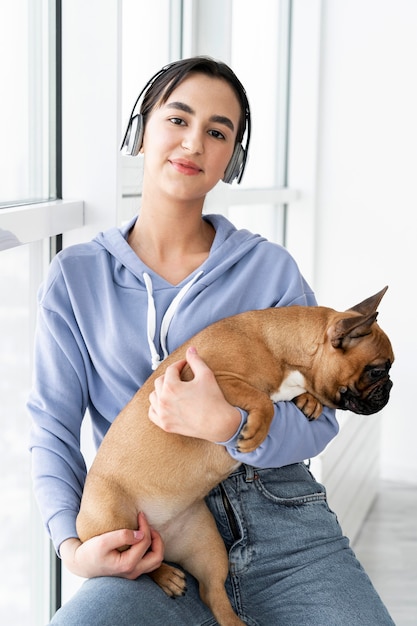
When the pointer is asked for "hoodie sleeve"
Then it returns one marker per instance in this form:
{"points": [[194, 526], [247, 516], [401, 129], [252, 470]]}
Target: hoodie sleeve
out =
{"points": [[57, 404], [291, 438]]}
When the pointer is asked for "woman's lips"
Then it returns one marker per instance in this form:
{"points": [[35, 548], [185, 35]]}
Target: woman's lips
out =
{"points": [[185, 167]]}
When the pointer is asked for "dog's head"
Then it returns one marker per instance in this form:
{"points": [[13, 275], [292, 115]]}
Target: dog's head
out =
{"points": [[362, 356]]}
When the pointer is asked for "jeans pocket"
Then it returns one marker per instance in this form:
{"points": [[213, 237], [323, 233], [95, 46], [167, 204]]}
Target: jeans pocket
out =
{"points": [[292, 485]]}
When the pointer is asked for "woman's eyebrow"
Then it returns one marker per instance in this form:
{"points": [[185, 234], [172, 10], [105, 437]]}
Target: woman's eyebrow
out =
{"points": [[219, 119]]}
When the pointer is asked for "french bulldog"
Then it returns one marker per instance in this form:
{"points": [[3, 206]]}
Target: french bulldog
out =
{"points": [[314, 356]]}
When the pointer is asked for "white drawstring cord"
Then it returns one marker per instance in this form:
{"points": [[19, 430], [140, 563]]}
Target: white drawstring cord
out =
{"points": [[151, 322], [166, 320]]}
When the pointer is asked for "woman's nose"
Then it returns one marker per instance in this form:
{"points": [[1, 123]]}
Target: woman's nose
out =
{"points": [[193, 141]]}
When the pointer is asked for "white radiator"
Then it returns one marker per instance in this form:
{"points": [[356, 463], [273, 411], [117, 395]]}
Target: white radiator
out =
{"points": [[349, 469]]}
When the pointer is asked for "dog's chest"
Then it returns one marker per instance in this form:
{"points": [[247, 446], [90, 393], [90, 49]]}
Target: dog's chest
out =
{"points": [[292, 386]]}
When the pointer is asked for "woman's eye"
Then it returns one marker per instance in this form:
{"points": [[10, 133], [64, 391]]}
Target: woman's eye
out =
{"points": [[216, 134], [176, 120]]}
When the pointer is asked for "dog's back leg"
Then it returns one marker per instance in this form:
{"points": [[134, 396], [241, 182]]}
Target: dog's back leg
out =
{"points": [[171, 580], [196, 545]]}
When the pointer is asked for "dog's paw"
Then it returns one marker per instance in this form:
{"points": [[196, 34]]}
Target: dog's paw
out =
{"points": [[251, 438], [309, 405], [171, 579]]}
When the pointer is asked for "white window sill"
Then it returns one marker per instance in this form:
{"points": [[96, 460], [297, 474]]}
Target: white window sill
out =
{"points": [[32, 222]]}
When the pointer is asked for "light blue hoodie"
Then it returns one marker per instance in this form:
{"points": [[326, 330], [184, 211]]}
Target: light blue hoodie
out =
{"points": [[95, 342]]}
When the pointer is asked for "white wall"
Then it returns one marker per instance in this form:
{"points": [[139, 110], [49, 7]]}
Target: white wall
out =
{"points": [[366, 200]]}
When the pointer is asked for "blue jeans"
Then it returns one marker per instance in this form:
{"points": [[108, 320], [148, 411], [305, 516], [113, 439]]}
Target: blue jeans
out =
{"points": [[290, 565]]}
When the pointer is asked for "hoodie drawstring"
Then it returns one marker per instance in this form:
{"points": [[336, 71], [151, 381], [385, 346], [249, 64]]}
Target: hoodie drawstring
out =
{"points": [[166, 320]]}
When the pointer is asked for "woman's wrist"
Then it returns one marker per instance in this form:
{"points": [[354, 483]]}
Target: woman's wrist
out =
{"points": [[67, 551], [233, 424]]}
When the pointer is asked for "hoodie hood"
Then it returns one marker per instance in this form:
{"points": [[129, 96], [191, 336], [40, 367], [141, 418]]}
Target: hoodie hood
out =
{"points": [[228, 247]]}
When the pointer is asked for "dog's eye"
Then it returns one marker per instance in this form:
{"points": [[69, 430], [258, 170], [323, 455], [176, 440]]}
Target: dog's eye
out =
{"points": [[376, 373]]}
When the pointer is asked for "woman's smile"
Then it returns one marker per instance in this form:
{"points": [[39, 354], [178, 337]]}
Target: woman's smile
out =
{"points": [[184, 166]]}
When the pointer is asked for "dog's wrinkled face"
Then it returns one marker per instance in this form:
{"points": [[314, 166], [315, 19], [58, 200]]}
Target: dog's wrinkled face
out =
{"points": [[370, 393], [360, 355]]}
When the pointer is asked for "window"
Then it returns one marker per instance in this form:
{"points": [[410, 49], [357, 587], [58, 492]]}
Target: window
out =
{"points": [[267, 72], [22, 543], [28, 172], [28, 120]]}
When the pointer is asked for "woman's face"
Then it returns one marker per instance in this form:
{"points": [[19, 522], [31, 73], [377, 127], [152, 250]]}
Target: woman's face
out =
{"points": [[189, 139]]}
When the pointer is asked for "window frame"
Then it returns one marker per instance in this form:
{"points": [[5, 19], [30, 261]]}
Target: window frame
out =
{"points": [[41, 220], [32, 221], [40, 224]]}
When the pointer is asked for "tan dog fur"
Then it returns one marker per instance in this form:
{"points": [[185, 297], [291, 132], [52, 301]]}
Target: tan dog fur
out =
{"points": [[314, 353]]}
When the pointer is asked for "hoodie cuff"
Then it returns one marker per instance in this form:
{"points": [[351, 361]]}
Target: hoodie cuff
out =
{"points": [[232, 442], [62, 527]]}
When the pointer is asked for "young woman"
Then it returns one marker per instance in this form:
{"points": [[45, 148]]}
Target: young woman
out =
{"points": [[109, 311]]}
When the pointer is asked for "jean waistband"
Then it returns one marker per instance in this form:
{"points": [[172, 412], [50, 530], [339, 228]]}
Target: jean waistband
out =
{"points": [[248, 471], [252, 473]]}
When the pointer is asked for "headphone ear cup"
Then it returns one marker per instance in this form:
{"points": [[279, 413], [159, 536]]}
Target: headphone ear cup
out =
{"points": [[133, 138], [234, 166]]}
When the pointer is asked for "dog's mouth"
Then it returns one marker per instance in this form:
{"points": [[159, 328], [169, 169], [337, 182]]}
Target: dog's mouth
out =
{"points": [[371, 392], [372, 401]]}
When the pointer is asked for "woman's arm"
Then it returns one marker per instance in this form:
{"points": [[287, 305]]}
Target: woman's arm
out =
{"points": [[57, 405]]}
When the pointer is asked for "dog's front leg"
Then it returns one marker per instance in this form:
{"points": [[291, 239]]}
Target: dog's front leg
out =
{"points": [[309, 405], [260, 410], [258, 405]]}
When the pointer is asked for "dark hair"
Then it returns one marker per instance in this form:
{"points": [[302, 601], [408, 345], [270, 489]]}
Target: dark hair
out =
{"points": [[161, 86]]}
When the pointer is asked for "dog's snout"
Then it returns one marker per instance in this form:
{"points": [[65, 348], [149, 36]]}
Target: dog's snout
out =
{"points": [[370, 401]]}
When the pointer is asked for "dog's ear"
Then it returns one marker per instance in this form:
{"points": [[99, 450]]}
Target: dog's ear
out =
{"points": [[349, 329], [371, 304]]}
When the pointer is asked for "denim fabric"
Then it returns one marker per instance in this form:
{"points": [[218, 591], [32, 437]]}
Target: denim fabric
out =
{"points": [[290, 565]]}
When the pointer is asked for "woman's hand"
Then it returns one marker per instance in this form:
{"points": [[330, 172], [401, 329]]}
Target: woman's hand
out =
{"points": [[195, 408], [100, 556]]}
